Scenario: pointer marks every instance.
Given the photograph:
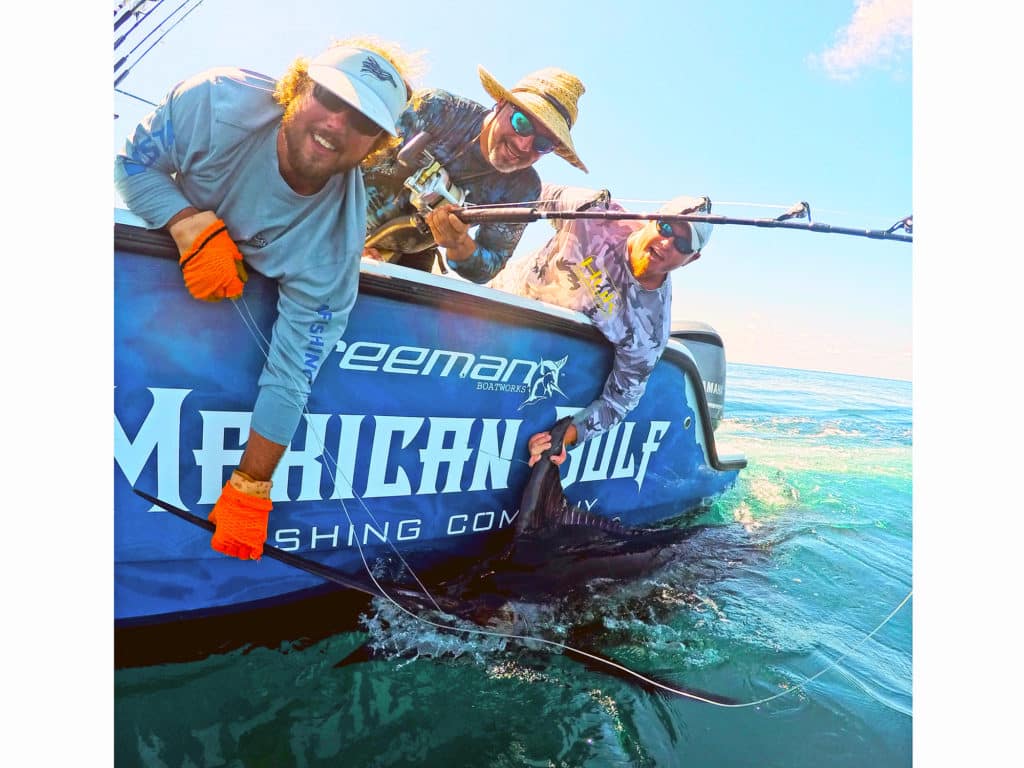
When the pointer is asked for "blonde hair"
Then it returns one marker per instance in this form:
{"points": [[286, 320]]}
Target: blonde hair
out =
{"points": [[296, 82]]}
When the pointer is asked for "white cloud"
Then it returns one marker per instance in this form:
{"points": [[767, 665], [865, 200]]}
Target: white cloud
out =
{"points": [[878, 35]]}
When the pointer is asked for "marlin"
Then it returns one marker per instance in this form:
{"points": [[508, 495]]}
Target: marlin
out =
{"points": [[555, 549]]}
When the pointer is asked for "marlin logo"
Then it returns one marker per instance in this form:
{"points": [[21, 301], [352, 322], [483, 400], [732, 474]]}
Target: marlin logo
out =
{"points": [[373, 67], [546, 382]]}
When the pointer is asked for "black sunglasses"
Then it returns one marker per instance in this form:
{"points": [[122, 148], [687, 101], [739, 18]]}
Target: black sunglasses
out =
{"points": [[522, 125], [681, 243], [334, 103]]}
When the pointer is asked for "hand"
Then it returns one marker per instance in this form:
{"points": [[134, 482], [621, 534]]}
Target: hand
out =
{"points": [[450, 232], [241, 515], [210, 261], [373, 253], [542, 441]]}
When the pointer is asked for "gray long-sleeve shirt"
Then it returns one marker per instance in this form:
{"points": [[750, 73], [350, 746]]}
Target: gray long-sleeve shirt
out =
{"points": [[585, 267], [212, 144]]}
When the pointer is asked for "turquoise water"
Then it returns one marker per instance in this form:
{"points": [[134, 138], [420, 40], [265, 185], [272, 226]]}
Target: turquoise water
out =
{"points": [[797, 566]]}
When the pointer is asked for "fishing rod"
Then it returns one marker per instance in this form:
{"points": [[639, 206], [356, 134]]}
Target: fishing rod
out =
{"points": [[154, 30], [122, 60], [127, 14], [513, 215], [121, 39]]}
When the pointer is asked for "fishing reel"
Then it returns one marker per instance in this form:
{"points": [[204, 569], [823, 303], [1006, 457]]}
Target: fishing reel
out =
{"points": [[430, 184]]}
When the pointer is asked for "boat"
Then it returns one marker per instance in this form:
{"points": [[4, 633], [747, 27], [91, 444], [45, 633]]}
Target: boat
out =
{"points": [[412, 450]]}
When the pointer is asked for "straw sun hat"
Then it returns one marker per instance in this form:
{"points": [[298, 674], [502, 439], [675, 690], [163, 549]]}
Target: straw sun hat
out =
{"points": [[548, 94]]}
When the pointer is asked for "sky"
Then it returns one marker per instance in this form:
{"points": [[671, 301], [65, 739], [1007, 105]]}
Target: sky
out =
{"points": [[730, 99], [737, 101]]}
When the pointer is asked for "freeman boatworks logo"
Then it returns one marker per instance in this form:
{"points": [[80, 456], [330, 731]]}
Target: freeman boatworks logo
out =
{"points": [[538, 381], [373, 67], [545, 384]]}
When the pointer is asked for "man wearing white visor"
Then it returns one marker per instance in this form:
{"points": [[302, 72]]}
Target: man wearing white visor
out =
{"points": [[246, 171]]}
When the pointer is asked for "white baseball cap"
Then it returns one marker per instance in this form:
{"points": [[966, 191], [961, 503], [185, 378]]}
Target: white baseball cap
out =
{"points": [[365, 80], [700, 230]]}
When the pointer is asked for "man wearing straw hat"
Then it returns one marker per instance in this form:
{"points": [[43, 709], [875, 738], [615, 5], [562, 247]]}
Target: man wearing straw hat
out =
{"points": [[617, 273], [487, 154]]}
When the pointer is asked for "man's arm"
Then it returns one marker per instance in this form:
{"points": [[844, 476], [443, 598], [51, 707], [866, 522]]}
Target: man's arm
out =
{"points": [[557, 197], [478, 259], [143, 169], [623, 388]]}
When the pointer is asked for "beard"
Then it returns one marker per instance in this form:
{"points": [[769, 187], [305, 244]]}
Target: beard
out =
{"points": [[313, 171], [640, 263], [499, 157], [639, 258]]}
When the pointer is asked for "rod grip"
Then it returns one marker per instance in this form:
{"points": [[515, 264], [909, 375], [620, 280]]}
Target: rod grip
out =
{"points": [[504, 215]]}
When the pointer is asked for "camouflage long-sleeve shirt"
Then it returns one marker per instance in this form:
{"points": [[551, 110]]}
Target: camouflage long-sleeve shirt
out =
{"points": [[585, 267], [454, 124]]}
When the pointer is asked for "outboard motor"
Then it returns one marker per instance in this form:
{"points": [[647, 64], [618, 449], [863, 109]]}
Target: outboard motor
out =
{"points": [[707, 349]]}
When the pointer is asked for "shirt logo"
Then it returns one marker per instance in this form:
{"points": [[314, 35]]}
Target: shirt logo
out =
{"points": [[600, 287], [373, 67], [256, 241]]}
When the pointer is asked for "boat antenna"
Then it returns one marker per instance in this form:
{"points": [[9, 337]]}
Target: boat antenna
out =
{"points": [[121, 61]]}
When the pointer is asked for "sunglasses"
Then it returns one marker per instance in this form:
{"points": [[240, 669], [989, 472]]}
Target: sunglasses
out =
{"points": [[333, 103], [682, 244], [523, 126]]}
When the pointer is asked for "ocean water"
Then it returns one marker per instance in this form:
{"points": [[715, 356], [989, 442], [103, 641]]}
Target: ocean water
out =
{"points": [[791, 600]]}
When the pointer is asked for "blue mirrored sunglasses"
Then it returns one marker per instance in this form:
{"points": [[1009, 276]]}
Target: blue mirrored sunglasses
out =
{"points": [[522, 125], [682, 244], [334, 103]]}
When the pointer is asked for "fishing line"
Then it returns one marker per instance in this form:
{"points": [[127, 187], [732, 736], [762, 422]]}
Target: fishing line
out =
{"points": [[834, 662], [248, 320], [260, 339]]}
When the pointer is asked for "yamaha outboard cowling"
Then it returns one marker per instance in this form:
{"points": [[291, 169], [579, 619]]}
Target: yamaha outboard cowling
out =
{"points": [[707, 349]]}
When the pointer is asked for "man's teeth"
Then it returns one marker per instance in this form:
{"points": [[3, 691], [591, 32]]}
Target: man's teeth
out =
{"points": [[323, 142]]}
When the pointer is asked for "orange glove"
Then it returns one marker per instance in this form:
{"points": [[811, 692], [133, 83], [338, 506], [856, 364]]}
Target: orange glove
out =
{"points": [[241, 515], [212, 266]]}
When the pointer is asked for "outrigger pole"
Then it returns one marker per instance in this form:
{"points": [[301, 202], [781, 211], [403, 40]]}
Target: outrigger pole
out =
{"points": [[513, 215]]}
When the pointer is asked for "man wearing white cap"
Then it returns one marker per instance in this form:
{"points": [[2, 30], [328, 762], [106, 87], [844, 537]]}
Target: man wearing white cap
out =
{"points": [[243, 169], [487, 153], [616, 272]]}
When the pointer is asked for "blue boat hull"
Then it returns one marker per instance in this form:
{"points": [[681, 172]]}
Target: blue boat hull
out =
{"points": [[413, 442]]}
